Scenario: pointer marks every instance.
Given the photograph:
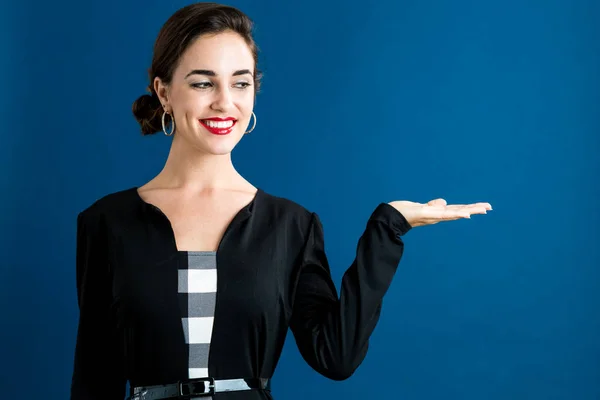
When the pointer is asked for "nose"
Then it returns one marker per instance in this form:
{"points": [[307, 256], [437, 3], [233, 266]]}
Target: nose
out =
{"points": [[223, 100]]}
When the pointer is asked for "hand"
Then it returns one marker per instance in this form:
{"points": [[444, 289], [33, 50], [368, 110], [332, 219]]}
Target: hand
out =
{"points": [[437, 210]]}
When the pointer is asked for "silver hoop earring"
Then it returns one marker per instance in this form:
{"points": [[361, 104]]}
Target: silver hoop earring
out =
{"points": [[164, 125], [254, 125]]}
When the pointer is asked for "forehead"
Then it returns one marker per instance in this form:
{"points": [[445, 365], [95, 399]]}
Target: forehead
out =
{"points": [[223, 53]]}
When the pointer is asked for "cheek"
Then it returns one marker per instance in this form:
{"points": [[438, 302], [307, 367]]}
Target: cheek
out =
{"points": [[247, 104], [190, 102], [190, 109]]}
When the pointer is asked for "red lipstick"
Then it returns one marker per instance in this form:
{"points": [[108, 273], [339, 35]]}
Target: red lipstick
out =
{"points": [[215, 130]]}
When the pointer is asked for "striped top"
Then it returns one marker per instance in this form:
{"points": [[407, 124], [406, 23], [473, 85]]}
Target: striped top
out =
{"points": [[197, 279]]}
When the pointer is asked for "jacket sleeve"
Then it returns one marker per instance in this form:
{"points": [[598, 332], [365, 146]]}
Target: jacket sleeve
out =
{"points": [[333, 333], [98, 366]]}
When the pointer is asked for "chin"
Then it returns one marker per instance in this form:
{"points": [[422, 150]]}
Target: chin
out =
{"points": [[224, 144], [221, 149], [220, 152]]}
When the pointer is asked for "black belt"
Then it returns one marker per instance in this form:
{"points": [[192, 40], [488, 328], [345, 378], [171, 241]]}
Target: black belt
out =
{"points": [[198, 387]]}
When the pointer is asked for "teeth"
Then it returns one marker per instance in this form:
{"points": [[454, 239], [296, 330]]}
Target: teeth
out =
{"points": [[219, 124]]}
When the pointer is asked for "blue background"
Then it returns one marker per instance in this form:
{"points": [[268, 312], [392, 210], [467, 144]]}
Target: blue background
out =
{"points": [[361, 104]]}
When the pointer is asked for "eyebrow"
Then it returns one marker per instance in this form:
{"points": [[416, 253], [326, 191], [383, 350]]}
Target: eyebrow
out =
{"points": [[208, 72]]}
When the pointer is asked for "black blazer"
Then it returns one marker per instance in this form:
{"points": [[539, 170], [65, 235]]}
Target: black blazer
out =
{"points": [[272, 274]]}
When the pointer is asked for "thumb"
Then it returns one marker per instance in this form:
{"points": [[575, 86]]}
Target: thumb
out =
{"points": [[437, 202]]}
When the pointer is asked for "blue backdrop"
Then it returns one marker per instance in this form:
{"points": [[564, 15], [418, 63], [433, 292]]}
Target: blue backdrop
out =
{"points": [[361, 103]]}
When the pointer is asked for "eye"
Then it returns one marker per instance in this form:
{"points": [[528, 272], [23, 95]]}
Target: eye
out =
{"points": [[242, 85], [202, 85]]}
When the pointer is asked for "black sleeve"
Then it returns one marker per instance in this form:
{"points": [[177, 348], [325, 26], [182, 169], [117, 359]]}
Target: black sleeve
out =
{"points": [[333, 334], [98, 365]]}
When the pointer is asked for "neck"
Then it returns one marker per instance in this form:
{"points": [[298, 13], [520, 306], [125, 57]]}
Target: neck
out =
{"points": [[193, 170]]}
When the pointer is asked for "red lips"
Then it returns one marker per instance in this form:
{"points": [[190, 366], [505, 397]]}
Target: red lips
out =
{"points": [[218, 131]]}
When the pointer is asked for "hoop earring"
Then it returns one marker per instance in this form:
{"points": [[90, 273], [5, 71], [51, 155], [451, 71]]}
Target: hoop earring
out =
{"points": [[164, 125], [254, 125]]}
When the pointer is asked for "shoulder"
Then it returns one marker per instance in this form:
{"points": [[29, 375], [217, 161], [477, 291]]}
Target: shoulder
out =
{"points": [[282, 209], [285, 205], [110, 205]]}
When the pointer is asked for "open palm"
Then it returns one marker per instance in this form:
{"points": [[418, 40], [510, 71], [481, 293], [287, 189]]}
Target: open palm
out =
{"points": [[434, 211]]}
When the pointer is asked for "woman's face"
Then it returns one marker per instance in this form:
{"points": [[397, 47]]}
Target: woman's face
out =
{"points": [[214, 80]]}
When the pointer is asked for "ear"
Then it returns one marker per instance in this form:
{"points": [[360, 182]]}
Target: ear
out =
{"points": [[162, 91]]}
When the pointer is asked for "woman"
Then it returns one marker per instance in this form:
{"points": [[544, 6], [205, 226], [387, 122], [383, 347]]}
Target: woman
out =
{"points": [[187, 285]]}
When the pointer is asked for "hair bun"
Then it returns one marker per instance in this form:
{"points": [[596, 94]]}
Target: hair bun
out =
{"points": [[146, 110]]}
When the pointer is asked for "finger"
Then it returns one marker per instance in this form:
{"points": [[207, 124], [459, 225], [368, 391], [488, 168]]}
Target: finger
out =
{"points": [[473, 210], [465, 211], [476, 209], [451, 213], [468, 207], [459, 207], [487, 206]]}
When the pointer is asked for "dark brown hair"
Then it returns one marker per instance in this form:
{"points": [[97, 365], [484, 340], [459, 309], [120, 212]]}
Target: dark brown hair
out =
{"points": [[176, 35]]}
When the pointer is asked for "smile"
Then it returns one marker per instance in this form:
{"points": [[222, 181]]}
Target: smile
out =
{"points": [[218, 126]]}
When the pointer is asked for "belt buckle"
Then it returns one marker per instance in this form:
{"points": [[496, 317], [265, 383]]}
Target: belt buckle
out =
{"points": [[191, 386]]}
